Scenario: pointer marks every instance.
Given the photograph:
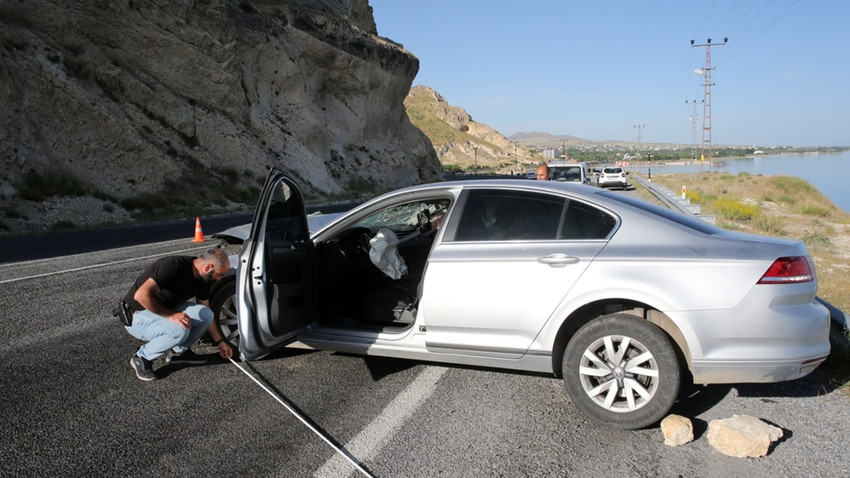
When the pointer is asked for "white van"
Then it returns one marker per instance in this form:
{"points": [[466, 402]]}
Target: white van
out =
{"points": [[569, 171]]}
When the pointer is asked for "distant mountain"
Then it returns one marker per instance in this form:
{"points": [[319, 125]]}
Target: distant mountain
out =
{"points": [[539, 138], [460, 142]]}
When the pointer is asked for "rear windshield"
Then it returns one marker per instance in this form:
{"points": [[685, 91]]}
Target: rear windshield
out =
{"points": [[566, 173], [686, 220]]}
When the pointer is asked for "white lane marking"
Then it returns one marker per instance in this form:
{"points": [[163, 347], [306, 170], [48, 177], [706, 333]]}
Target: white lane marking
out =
{"points": [[305, 420], [95, 266], [369, 442]]}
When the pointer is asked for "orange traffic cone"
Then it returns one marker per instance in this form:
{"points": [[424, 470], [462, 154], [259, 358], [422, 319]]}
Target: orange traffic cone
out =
{"points": [[199, 233]]}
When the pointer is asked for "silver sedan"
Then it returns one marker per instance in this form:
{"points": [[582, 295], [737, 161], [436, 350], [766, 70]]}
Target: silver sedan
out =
{"points": [[619, 297]]}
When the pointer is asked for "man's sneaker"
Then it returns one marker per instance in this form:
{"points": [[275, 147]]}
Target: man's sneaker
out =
{"points": [[187, 357], [143, 368]]}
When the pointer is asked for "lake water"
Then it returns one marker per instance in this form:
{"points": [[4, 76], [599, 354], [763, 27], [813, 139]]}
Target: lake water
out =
{"points": [[830, 173]]}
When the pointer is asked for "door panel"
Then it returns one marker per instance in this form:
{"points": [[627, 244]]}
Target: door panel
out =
{"points": [[511, 259], [276, 276]]}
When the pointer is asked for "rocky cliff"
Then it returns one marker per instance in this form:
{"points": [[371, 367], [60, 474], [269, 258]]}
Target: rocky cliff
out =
{"points": [[179, 106], [462, 143]]}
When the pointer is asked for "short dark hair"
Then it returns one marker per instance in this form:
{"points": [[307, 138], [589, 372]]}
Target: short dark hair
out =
{"points": [[215, 256]]}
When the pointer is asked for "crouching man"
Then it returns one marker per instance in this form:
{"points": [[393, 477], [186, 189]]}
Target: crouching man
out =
{"points": [[164, 317]]}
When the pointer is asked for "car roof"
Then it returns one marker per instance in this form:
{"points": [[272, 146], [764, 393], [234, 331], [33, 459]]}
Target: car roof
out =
{"points": [[524, 184]]}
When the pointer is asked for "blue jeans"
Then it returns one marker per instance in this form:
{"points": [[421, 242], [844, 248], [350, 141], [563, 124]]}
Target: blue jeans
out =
{"points": [[162, 334]]}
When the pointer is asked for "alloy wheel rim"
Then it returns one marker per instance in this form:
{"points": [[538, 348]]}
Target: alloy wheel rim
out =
{"points": [[227, 321], [619, 373]]}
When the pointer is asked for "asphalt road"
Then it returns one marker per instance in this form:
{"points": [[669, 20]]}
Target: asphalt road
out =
{"points": [[71, 405], [41, 246]]}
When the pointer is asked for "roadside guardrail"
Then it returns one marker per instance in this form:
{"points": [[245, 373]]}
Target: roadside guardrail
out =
{"points": [[672, 200]]}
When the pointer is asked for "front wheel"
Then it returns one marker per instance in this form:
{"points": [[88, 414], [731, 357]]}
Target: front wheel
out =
{"points": [[223, 305], [622, 371]]}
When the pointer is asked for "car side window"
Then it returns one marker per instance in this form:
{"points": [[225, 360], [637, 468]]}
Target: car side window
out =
{"points": [[503, 215], [285, 221], [584, 221]]}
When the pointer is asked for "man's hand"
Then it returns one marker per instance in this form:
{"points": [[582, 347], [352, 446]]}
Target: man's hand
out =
{"points": [[224, 350], [181, 319]]}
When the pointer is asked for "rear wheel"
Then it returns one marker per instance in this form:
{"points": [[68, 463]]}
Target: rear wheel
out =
{"points": [[622, 371], [223, 305]]}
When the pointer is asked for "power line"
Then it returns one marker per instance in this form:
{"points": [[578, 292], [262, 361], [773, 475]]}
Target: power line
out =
{"points": [[736, 52], [704, 18], [723, 18], [734, 30]]}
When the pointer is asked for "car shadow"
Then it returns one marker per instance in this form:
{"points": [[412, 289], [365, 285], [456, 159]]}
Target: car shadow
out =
{"points": [[696, 399], [381, 367], [166, 369]]}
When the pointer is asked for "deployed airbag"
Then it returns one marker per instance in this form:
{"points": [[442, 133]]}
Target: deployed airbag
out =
{"points": [[385, 256]]}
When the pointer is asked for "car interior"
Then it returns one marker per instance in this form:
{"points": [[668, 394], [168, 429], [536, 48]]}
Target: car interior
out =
{"points": [[355, 291]]}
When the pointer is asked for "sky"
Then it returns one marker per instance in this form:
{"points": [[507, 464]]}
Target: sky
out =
{"points": [[616, 70]]}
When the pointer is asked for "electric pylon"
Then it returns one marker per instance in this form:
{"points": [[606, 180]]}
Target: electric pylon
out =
{"points": [[706, 102]]}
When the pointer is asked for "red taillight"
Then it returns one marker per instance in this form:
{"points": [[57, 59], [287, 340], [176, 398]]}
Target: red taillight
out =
{"points": [[787, 270]]}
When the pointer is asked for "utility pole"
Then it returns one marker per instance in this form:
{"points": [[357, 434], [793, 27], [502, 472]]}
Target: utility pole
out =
{"points": [[693, 119], [516, 160], [706, 102], [639, 127]]}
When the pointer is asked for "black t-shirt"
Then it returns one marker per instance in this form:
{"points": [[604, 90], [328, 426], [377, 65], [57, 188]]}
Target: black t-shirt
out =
{"points": [[176, 280]]}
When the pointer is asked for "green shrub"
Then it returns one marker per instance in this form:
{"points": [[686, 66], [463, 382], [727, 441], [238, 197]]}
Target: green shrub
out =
{"points": [[62, 225], [825, 227], [816, 211], [196, 191], [735, 210], [13, 213], [770, 225], [729, 226], [817, 240], [359, 187], [693, 197], [38, 186], [792, 185]]}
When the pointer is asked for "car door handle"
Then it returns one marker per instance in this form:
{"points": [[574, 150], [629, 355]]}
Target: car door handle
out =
{"points": [[558, 260]]}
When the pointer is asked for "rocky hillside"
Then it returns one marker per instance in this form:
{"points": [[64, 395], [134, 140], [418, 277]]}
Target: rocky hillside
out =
{"points": [[113, 110], [462, 143]]}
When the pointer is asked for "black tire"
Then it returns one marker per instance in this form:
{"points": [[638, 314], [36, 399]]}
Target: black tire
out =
{"points": [[634, 376], [223, 305]]}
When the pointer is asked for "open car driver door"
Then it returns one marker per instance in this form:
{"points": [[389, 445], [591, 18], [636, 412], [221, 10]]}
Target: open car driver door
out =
{"points": [[276, 276]]}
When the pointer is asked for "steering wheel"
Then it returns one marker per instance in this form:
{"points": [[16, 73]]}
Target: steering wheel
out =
{"points": [[423, 221]]}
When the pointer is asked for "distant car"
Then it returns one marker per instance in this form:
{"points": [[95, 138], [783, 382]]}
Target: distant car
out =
{"points": [[569, 171], [627, 297], [613, 177]]}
